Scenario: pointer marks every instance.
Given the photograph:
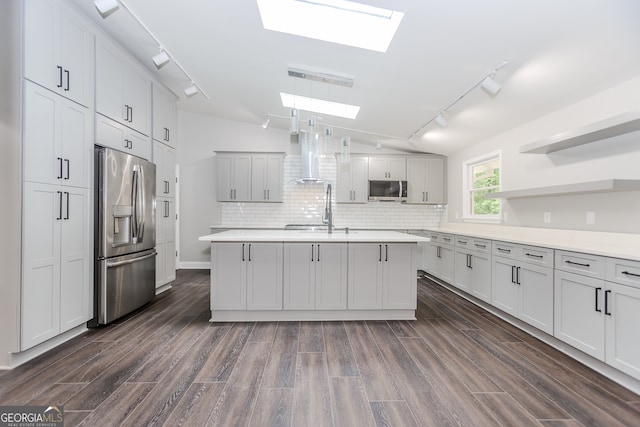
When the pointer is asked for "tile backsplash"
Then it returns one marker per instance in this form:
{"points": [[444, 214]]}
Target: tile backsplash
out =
{"points": [[305, 203]]}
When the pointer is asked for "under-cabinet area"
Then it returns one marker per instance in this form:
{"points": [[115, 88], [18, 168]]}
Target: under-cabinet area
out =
{"points": [[300, 275], [590, 302]]}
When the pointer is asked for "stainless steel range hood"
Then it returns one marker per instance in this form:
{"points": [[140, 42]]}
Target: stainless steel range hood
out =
{"points": [[309, 149]]}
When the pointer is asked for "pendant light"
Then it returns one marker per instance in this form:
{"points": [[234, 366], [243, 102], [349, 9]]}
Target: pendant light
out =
{"points": [[346, 150]]}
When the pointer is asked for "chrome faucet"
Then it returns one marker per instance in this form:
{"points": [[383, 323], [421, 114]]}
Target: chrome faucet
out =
{"points": [[328, 214]]}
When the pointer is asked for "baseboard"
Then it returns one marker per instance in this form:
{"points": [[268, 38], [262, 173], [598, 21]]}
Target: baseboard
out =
{"points": [[186, 265]]}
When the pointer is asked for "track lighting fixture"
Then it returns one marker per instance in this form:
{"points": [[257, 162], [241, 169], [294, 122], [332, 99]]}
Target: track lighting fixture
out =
{"points": [[345, 149], [191, 90], [106, 7], [293, 123], [161, 59], [490, 86], [441, 121], [487, 83], [265, 125]]}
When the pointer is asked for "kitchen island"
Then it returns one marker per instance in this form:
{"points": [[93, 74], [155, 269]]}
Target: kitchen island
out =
{"points": [[269, 275]]}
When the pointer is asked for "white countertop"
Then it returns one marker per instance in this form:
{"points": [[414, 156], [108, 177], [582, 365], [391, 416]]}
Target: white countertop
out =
{"points": [[354, 236], [616, 245]]}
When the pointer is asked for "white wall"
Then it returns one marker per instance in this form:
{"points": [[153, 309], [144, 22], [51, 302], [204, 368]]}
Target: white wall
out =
{"points": [[611, 158], [200, 135]]}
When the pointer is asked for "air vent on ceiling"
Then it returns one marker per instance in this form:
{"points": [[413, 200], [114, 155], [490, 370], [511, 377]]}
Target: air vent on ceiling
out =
{"points": [[316, 76]]}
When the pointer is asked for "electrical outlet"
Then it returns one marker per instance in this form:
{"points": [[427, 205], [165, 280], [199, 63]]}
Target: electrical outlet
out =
{"points": [[547, 217], [591, 217]]}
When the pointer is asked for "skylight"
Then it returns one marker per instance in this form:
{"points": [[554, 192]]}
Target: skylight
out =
{"points": [[337, 21], [319, 106]]}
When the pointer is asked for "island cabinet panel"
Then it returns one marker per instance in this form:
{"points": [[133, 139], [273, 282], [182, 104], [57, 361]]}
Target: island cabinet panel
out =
{"points": [[399, 283], [365, 276], [315, 276], [246, 276]]}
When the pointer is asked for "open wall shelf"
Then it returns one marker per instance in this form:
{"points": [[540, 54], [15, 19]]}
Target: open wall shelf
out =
{"points": [[603, 129], [608, 185]]}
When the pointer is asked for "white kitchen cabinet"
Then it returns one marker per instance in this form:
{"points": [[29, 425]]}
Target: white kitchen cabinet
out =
{"points": [[234, 177], [386, 276], [123, 91], [267, 177], [164, 116], [164, 158], [165, 243], [57, 261], [315, 276], [622, 317], [58, 50], [56, 132], [579, 318], [524, 289], [352, 183], [387, 168], [442, 257], [473, 266], [425, 180], [112, 134], [246, 276]]}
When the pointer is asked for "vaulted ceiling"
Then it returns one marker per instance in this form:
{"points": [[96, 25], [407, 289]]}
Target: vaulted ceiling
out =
{"points": [[557, 52]]}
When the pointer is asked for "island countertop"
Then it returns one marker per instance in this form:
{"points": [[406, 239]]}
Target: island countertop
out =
{"points": [[292, 236]]}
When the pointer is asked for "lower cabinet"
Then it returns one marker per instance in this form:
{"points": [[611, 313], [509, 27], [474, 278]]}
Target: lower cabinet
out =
{"points": [[525, 291], [165, 243], [57, 261], [622, 313], [315, 276], [473, 273], [246, 276], [441, 257], [386, 276]]}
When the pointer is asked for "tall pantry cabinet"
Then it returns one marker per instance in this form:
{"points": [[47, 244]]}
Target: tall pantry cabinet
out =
{"points": [[57, 133], [164, 156]]}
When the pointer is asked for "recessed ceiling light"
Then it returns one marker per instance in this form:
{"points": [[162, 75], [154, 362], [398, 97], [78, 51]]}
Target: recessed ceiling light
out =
{"points": [[337, 21], [319, 106]]}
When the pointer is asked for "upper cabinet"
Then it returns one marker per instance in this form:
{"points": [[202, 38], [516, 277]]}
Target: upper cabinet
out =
{"points": [[164, 116], [123, 91], [352, 184], [250, 177], [266, 177], [387, 168], [425, 180], [58, 50]]}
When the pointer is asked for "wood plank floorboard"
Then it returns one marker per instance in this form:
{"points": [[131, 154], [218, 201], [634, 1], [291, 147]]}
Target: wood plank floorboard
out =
{"points": [[457, 364]]}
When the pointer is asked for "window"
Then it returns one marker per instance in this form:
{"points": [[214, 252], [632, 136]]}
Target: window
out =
{"points": [[481, 177]]}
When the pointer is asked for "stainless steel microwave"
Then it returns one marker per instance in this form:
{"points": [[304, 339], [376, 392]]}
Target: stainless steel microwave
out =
{"points": [[388, 191]]}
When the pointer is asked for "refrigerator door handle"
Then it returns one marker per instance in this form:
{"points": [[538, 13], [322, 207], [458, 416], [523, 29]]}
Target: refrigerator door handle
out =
{"points": [[141, 209], [130, 261], [134, 204]]}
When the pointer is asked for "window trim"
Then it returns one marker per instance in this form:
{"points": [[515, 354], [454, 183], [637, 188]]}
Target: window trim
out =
{"points": [[467, 187]]}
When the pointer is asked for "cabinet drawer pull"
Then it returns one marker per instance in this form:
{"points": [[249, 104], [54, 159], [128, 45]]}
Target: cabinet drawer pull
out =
{"points": [[478, 245], [631, 274], [597, 303], [577, 263], [506, 251], [462, 242], [606, 303], [534, 255]]}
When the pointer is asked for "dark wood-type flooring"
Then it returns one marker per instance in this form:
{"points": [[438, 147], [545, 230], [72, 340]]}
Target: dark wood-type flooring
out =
{"points": [[456, 365]]}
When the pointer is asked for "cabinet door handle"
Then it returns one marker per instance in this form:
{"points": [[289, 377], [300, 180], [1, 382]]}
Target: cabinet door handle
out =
{"points": [[59, 76], [577, 263], [386, 253], [630, 274], [249, 252], [606, 303], [166, 209], [518, 276], [318, 253], [66, 193], [312, 256], [168, 187], [230, 194], [60, 163], [59, 217], [131, 118], [426, 196], [235, 196], [597, 303], [166, 134], [243, 252], [264, 194], [67, 163], [513, 274], [66, 72], [125, 113], [379, 253]]}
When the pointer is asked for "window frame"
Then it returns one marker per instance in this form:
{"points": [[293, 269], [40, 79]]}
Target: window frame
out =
{"points": [[467, 187]]}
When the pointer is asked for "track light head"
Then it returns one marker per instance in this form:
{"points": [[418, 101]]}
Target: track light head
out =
{"points": [[161, 59], [106, 7], [191, 90], [441, 121], [490, 86]]}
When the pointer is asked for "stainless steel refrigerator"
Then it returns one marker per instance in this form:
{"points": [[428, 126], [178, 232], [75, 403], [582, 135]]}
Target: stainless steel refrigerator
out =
{"points": [[125, 236]]}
